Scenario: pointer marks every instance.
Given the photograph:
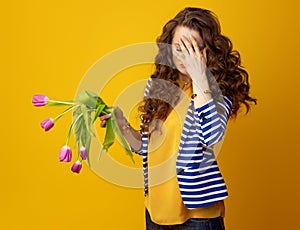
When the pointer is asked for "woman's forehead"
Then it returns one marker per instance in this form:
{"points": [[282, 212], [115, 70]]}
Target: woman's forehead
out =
{"points": [[181, 31]]}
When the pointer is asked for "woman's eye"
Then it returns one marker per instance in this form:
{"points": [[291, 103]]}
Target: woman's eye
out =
{"points": [[178, 49]]}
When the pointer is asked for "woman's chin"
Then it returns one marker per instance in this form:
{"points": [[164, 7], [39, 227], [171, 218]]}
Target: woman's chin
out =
{"points": [[182, 71]]}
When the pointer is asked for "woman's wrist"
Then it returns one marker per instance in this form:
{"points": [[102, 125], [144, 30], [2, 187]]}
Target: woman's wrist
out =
{"points": [[132, 136], [125, 127], [202, 94]]}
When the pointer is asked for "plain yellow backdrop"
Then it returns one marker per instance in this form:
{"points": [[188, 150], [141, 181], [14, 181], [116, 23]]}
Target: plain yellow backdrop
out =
{"points": [[47, 46]]}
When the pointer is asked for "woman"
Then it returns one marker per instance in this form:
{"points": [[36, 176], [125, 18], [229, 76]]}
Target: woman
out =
{"points": [[194, 61]]}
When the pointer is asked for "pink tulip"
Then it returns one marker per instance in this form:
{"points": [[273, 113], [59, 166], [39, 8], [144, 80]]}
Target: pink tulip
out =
{"points": [[65, 154], [47, 124], [83, 153], [76, 167], [39, 100]]}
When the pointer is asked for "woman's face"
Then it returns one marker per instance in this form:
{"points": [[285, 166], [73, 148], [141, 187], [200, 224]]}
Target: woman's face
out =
{"points": [[180, 32]]}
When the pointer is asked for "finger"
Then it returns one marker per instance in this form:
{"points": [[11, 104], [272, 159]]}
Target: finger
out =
{"points": [[195, 46], [105, 117], [103, 124], [188, 45], [204, 54], [183, 47]]}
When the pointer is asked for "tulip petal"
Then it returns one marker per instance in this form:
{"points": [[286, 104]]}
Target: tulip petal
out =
{"points": [[83, 153], [76, 167], [47, 124], [39, 100], [65, 154]]}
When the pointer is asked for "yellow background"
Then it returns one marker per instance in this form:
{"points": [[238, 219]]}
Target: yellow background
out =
{"points": [[47, 46]]}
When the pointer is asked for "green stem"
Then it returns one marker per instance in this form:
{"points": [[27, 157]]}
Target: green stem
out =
{"points": [[67, 110], [62, 102], [78, 155], [107, 110], [71, 127]]}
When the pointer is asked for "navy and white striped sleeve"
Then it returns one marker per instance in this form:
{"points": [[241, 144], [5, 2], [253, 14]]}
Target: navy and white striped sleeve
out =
{"points": [[147, 88], [137, 151], [140, 151], [210, 122]]}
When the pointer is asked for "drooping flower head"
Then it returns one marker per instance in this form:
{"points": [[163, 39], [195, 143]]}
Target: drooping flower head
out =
{"points": [[83, 153], [39, 100], [47, 124], [65, 154], [86, 109], [76, 167]]}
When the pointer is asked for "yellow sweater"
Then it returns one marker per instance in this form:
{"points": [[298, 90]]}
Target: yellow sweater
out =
{"points": [[164, 202]]}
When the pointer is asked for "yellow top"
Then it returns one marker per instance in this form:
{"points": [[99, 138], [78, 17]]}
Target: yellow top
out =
{"points": [[164, 202]]}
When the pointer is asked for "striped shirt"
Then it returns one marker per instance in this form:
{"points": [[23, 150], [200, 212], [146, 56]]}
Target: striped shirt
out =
{"points": [[200, 181]]}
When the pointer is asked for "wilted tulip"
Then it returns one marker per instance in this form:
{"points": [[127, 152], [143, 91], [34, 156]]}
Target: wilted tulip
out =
{"points": [[39, 100], [47, 124], [76, 167], [65, 154], [86, 108], [83, 153]]}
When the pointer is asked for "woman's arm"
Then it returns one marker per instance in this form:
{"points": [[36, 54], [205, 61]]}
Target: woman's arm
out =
{"points": [[210, 113], [132, 136], [211, 120]]}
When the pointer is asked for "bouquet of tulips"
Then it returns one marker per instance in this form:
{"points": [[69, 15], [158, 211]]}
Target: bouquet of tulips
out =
{"points": [[86, 109]]}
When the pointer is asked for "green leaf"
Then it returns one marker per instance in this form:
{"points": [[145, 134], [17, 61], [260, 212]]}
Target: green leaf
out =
{"points": [[79, 126], [91, 106], [87, 119], [73, 124], [109, 136], [89, 99], [120, 136], [88, 144], [96, 97], [98, 111]]}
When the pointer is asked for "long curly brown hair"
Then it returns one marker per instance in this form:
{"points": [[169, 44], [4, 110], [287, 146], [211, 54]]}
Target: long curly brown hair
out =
{"points": [[222, 61]]}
